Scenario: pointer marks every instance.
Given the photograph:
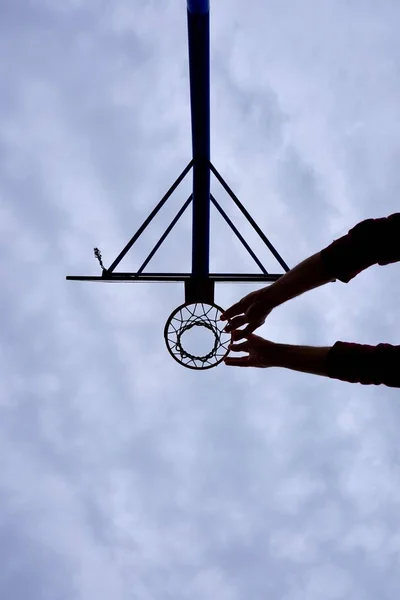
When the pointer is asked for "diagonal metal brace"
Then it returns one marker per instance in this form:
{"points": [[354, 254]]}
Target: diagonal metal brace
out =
{"points": [[150, 218], [249, 218], [165, 234], [238, 234]]}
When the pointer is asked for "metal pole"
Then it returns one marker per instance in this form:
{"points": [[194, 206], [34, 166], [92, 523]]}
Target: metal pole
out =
{"points": [[198, 16]]}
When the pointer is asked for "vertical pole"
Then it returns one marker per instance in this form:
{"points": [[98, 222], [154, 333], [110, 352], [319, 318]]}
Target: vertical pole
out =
{"points": [[198, 14]]}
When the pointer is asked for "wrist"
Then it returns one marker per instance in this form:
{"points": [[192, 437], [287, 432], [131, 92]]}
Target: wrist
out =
{"points": [[283, 354]]}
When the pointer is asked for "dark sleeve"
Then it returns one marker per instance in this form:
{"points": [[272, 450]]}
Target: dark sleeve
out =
{"points": [[368, 365], [371, 242]]}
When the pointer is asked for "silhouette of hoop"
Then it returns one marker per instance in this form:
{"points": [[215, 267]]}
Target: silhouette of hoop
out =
{"points": [[197, 314]]}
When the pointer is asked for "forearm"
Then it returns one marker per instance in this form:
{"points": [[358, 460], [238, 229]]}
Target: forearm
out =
{"points": [[305, 359], [373, 241], [306, 276], [353, 363]]}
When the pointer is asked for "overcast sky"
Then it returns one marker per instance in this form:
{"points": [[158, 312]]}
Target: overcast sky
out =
{"points": [[124, 475]]}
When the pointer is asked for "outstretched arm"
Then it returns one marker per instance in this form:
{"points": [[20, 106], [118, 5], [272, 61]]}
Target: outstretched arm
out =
{"points": [[354, 363], [373, 241]]}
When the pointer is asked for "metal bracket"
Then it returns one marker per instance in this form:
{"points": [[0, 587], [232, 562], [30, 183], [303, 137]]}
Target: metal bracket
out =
{"points": [[199, 290]]}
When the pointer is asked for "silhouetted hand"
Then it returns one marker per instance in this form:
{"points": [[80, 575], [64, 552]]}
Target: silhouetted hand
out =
{"points": [[253, 309], [261, 353]]}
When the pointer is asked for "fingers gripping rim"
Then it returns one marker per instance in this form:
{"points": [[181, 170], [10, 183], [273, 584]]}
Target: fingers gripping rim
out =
{"points": [[198, 314]]}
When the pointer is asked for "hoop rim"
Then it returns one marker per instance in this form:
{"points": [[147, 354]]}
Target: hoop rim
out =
{"points": [[168, 322]]}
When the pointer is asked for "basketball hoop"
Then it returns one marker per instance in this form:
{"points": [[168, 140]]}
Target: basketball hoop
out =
{"points": [[188, 317]]}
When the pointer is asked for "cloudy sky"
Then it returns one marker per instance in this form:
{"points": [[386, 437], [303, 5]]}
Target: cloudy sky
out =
{"points": [[124, 475]]}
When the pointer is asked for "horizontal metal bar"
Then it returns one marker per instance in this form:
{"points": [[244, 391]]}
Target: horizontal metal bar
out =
{"points": [[154, 277], [238, 234]]}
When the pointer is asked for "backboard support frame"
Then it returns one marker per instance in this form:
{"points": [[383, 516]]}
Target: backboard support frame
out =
{"points": [[197, 288], [199, 284]]}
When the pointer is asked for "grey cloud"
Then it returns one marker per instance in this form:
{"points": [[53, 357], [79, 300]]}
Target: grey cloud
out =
{"points": [[123, 474]]}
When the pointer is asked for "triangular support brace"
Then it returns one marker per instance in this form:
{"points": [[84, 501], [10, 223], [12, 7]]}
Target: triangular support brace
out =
{"points": [[198, 290]]}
